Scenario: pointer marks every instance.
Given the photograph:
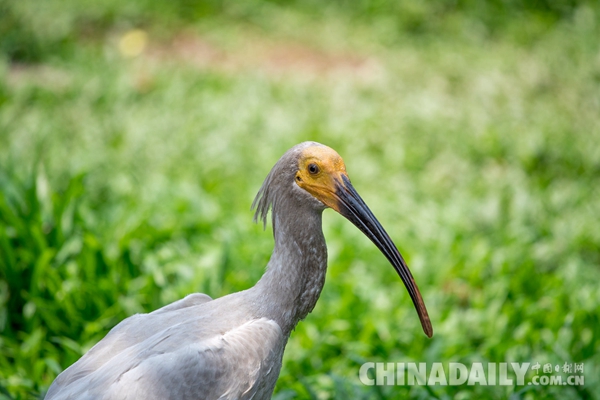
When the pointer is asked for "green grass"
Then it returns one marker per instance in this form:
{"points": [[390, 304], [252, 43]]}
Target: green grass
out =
{"points": [[126, 183]]}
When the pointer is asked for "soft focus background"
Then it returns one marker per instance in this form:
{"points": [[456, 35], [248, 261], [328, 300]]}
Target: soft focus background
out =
{"points": [[135, 134]]}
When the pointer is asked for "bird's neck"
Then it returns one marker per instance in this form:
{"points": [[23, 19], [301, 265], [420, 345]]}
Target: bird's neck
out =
{"points": [[295, 275]]}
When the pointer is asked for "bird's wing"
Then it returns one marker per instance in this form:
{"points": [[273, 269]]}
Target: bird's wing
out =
{"points": [[240, 363], [193, 349], [127, 333]]}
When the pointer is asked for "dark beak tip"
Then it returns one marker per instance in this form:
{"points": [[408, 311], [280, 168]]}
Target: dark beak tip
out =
{"points": [[425, 322], [428, 330]]}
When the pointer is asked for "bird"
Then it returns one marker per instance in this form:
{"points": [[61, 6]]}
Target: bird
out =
{"points": [[232, 347]]}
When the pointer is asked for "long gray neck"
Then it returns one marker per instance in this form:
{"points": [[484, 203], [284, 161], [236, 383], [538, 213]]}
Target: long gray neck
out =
{"points": [[295, 274]]}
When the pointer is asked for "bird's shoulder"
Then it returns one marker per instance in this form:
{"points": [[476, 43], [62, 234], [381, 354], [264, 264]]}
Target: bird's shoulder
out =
{"points": [[190, 300]]}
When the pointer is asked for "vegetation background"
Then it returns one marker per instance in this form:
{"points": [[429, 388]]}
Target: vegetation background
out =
{"points": [[134, 136]]}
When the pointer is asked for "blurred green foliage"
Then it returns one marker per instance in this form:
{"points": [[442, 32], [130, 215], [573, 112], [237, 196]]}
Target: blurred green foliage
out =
{"points": [[470, 128], [31, 31]]}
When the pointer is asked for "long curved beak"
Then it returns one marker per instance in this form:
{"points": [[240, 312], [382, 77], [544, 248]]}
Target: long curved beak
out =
{"points": [[352, 206]]}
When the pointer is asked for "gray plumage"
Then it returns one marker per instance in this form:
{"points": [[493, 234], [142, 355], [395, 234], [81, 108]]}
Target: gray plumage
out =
{"points": [[227, 348]]}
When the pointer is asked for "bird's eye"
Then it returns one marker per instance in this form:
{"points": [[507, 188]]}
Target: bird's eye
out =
{"points": [[313, 168]]}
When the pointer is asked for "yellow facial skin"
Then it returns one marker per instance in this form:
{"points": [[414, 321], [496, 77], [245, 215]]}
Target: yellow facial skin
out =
{"points": [[320, 171]]}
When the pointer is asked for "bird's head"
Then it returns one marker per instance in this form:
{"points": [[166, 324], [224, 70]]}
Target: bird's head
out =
{"points": [[320, 171]]}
